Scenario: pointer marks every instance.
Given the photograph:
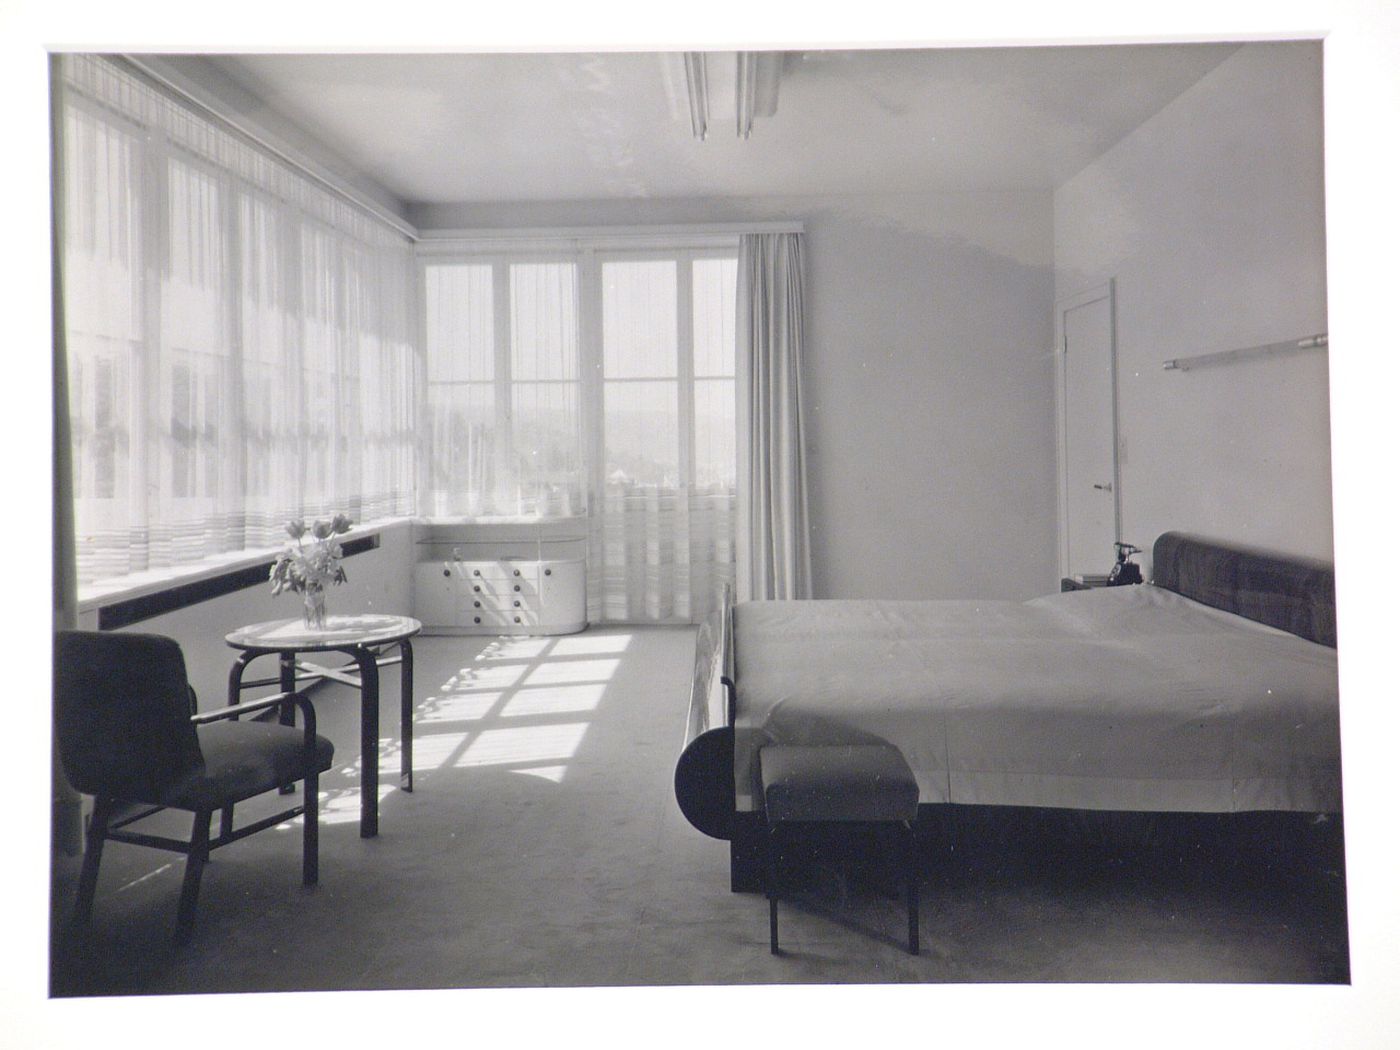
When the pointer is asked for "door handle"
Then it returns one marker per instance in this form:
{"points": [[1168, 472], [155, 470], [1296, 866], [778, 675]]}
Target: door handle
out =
{"points": [[1105, 488]]}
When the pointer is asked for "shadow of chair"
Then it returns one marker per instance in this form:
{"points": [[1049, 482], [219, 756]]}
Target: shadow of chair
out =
{"points": [[130, 736]]}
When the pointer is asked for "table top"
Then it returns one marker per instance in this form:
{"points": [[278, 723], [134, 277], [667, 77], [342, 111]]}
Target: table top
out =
{"points": [[340, 632]]}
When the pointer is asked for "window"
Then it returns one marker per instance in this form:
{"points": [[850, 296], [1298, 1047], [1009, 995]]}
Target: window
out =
{"points": [[592, 382], [503, 389], [239, 339]]}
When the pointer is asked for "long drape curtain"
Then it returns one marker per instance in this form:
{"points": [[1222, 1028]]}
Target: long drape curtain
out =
{"points": [[776, 560], [239, 339]]}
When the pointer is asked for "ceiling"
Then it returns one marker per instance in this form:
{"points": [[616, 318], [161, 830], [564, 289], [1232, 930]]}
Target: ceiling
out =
{"points": [[485, 128]]}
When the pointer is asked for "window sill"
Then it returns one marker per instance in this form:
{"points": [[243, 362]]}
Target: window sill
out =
{"points": [[94, 596]]}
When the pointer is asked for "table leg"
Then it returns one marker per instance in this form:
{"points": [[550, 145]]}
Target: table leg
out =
{"points": [[235, 676], [406, 714], [287, 714], [369, 742]]}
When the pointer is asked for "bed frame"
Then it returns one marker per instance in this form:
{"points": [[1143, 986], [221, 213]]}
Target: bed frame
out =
{"points": [[1290, 593]]}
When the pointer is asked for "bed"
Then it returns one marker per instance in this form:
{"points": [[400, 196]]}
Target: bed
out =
{"points": [[1211, 689]]}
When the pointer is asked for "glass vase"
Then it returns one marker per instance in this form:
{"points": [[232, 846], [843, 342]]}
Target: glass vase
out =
{"points": [[313, 608]]}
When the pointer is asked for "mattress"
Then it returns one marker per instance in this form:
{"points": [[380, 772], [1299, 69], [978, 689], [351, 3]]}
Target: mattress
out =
{"points": [[1124, 698]]}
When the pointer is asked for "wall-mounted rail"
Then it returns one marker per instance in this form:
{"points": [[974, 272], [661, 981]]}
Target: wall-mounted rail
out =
{"points": [[1182, 364]]}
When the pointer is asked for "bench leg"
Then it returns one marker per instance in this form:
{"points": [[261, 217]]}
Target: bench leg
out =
{"points": [[770, 876], [911, 875]]}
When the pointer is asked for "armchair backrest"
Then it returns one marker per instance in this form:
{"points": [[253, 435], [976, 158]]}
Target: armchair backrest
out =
{"points": [[122, 713]]}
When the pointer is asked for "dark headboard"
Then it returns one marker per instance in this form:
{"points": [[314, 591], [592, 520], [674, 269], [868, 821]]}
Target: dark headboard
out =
{"points": [[1293, 594]]}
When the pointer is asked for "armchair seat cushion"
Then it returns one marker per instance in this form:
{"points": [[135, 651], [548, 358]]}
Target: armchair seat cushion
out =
{"points": [[837, 782], [243, 759]]}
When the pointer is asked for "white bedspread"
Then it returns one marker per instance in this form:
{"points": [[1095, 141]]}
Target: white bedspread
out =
{"points": [[1126, 698]]}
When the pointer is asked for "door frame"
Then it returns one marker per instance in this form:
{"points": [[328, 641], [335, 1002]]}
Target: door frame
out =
{"points": [[1062, 306]]}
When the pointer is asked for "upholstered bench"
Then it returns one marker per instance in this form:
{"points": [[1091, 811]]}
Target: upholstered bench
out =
{"points": [[837, 783]]}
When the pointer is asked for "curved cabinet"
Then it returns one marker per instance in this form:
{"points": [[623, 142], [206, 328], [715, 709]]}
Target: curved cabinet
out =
{"points": [[500, 596]]}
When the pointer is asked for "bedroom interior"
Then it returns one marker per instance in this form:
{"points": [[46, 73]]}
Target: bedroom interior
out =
{"points": [[542, 845]]}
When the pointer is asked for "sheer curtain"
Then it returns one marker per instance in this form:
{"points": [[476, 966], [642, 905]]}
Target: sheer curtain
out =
{"points": [[240, 345], [599, 386], [504, 437], [777, 561]]}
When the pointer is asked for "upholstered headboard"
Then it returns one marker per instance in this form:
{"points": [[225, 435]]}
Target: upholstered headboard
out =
{"points": [[1293, 594]]}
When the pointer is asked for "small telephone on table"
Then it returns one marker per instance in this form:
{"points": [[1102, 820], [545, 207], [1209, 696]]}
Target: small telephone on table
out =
{"points": [[1125, 571]]}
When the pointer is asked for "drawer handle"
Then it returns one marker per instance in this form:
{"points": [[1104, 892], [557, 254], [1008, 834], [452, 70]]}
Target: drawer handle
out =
{"points": [[447, 572], [517, 572], [476, 572], [517, 603], [476, 619], [476, 588], [517, 619], [548, 571], [517, 586], [476, 604]]}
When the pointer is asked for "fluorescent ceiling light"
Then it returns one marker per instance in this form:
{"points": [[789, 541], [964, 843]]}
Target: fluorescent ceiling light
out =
{"points": [[746, 80], [698, 91]]}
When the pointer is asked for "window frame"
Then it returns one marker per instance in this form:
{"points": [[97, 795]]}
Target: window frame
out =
{"points": [[588, 255]]}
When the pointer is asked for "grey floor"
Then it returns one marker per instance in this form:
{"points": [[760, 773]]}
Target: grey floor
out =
{"points": [[542, 847]]}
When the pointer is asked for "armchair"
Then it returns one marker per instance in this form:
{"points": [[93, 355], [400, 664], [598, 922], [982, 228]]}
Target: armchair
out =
{"points": [[128, 733]]}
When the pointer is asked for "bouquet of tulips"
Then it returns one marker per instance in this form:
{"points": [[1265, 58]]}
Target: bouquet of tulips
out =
{"points": [[310, 566]]}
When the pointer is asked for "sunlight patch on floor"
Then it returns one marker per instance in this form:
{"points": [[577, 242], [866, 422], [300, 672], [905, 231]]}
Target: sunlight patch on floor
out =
{"points": [[339, 806], [554, 774], [589, 645], [149, 875], [435, 750], [555, 700], [567, 671], [497, 747], [459, 707]]}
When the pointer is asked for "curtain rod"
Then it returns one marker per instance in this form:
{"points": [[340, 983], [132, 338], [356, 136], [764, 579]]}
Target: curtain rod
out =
{"points": [[703, 229], [1182, 364], [372, 208]]}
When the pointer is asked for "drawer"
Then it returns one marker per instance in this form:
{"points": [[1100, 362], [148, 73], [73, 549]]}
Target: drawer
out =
{"points": [[500, 618], [503, 603], [480, 587], [498, 570]]}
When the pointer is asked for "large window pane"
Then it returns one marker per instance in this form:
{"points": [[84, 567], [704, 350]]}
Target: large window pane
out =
{"points": [[713, 313], [462, 469], [715, 446], [547, 447], [460, 330], [639, 319], [641, 433], [543, 321]]}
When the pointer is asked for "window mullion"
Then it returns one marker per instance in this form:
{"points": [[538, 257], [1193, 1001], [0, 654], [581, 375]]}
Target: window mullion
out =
{"points": [[501, 333], [591, 374], [147, 378], [685, 366]]}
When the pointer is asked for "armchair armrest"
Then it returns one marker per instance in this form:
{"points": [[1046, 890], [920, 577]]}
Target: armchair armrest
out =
{"points": [[308, 713]]}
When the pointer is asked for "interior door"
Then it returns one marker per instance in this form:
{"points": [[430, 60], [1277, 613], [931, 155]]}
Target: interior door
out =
{"points": [[1088, 447]]}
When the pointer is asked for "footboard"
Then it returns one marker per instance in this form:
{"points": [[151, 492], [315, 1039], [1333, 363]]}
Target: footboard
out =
{"points": [[705, 769]]}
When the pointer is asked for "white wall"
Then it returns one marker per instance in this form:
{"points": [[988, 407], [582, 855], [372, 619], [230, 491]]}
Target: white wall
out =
{"points": [[378, 580], [1209, 217], [928, 380]]}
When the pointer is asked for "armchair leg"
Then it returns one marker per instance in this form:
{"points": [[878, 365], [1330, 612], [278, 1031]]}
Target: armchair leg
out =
{"points": [[194, 868], [310, 829], [92, 857]]}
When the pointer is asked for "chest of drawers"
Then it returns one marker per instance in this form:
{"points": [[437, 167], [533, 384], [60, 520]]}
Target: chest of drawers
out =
{"points": [[500, 596]]}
